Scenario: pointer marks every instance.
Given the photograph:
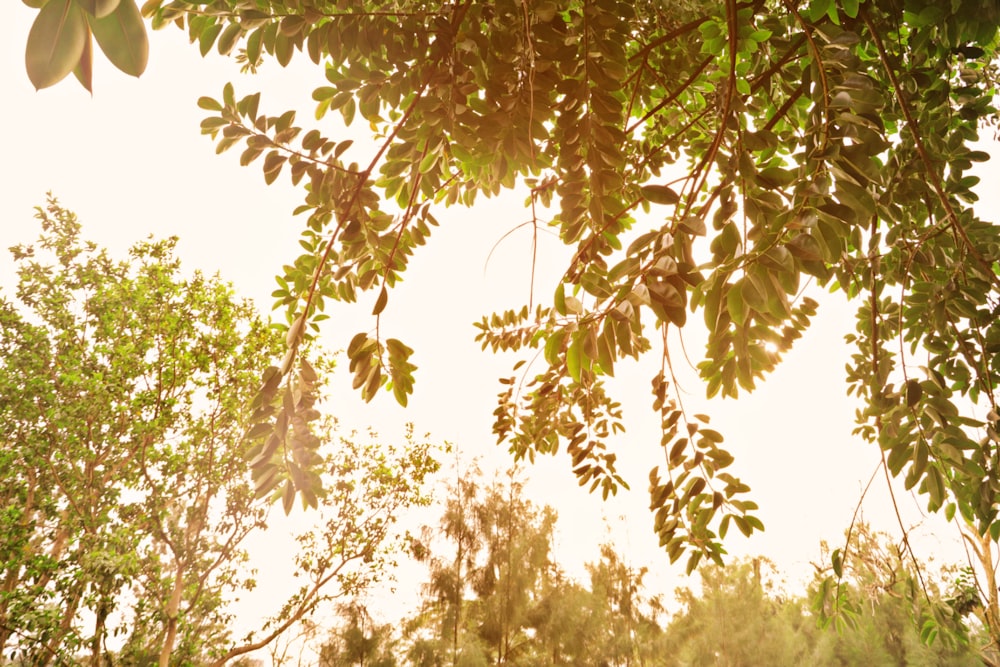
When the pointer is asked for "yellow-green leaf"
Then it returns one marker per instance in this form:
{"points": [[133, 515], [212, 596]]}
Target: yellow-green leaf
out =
{"points": [[56, 42], [122, 37], [574, 359]]}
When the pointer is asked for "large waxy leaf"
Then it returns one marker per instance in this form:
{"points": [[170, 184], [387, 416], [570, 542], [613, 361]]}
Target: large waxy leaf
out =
{"points": [[122, 37], [84, 70], [55, 43], [99, 8]]}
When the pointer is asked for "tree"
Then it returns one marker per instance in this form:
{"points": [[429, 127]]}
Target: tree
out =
{"points": [[446, 590], [517, 538], [567, 623], [737, 619], [124, 393], [354, 543], [484, 598], [358, 641], [888, 609], [976, 590], [496, 596], [626, 619], [709, 156], [741, 617], [123, 389], [741, 614]]}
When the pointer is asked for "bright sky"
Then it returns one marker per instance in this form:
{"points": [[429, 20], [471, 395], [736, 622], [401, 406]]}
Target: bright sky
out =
{"points": [[131, 162]]}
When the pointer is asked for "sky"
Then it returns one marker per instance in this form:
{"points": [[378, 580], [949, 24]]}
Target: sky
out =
{"points": [[131, 162]]}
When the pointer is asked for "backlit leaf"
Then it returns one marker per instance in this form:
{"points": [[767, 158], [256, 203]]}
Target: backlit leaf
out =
{"points": [[122, 37], [56, 42], [99, 8], [660, 194]]}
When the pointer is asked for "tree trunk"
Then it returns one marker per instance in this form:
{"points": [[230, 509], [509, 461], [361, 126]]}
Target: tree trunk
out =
{"points": [[991, 609], [65, 626], [173, 608], [99, 630]]}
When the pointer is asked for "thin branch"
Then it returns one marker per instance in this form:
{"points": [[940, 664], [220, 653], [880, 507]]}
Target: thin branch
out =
{"points": [[457, 18], [306, 603], [673, 96]]}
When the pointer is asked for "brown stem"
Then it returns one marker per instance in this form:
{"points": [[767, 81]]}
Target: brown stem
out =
{"points": [[673, 96], [458, 17], [306, 603]]}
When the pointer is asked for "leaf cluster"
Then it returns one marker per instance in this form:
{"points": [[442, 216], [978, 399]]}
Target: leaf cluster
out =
{"points": [[62, 39]]}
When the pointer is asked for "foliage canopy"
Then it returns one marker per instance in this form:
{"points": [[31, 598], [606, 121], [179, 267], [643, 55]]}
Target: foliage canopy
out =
{"points": [[697, 156]]}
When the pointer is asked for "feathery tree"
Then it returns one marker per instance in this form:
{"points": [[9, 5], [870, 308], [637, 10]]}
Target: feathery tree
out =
{"points": [[482, 596]]}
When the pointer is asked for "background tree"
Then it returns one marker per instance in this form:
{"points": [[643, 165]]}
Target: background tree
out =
{"points": [[124, 394], [359, 640], [446, 590], [518, 605], [889, 609], [624, 615], [123, 391], [738, 619], [976, 591], [741, 617], [742, 614], [354, 543], [709, 156], [483, 598], [518, 539], [566, 628]]}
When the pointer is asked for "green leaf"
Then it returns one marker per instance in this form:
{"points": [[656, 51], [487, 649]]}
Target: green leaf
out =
{"points": [[660, 194], [348, 111], [560, 299], [229, 37], [207, 38], [775, 177], [736, 305], [56, 42], [266, 482], [122, 37], [574, 356], [99, 8], [995, 531], [84, 70]]}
